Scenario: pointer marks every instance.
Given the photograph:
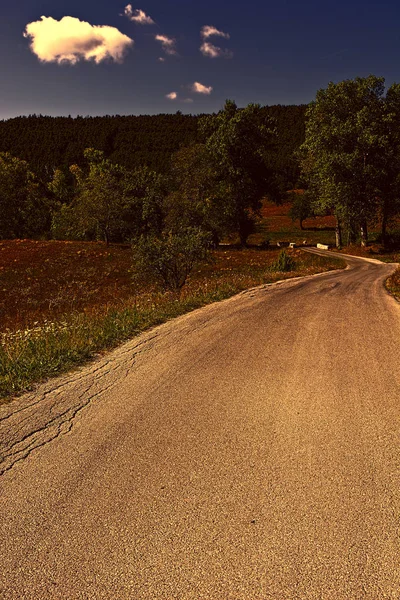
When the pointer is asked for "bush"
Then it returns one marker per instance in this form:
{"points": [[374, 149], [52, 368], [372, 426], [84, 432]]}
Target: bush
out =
{"points": [[170, 258], [284, 262]]}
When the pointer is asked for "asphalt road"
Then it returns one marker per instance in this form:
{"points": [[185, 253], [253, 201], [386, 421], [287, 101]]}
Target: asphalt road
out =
{"points": [[247, 451]]}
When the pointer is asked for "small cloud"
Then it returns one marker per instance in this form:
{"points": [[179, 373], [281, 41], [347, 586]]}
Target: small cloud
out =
{"points": [[172, 96], [199, 88], [167, 43], [208, 49], [71, 40], [188, 100], [209, 30], [161, 59], [137, 15]]}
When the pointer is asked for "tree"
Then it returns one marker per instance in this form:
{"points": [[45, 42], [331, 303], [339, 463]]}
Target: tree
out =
{"points": [[99, 205], [344, 151], [301, 207], [24, 210], [238, 141], [61, 187], [144, 193], [112, 202], [169, 258], [198, 199], [389, 184]]}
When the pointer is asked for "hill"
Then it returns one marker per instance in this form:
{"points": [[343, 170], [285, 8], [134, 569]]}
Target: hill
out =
{"points": [[57, 142]]}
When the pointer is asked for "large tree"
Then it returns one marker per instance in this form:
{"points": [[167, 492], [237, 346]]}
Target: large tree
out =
{"points": [[198, 197], [348, 152], [238, 142], [389, 184]]}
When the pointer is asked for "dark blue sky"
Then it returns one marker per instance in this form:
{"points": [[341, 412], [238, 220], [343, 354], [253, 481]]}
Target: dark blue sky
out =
{"points": [[283, 52]]}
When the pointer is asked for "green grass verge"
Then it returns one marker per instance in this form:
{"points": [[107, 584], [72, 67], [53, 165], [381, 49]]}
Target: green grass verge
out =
{"points": [[48, 349]]}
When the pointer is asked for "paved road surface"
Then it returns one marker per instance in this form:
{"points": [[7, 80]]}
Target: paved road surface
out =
{"points": [[247, 451]]}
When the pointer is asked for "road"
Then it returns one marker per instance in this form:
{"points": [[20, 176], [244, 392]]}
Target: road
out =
{"points": [[247, 451]]}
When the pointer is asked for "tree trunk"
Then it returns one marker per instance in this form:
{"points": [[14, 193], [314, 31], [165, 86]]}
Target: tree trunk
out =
{"points": [[364, 233], [384, 225], [351, 233], [338, 233], [301, 224], [244, 232], [243, 239], [215, 239]]}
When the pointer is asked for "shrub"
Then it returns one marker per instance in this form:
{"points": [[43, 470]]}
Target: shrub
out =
{"points": [[170, 258], [284, 262]]}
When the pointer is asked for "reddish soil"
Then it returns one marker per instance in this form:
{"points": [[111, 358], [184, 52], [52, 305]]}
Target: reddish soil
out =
{"points": [[40, 278], [277, 218], [45, 279]]}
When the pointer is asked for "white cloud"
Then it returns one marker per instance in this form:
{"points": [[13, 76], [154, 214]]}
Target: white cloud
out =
{"points": [[172, 96], [209, 30], [161, 59], [137, 15], [71, 40], [199, 88], [208, 49], [167, 43]]}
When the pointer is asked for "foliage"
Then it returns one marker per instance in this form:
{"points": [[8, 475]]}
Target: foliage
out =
{"points": [[301, 208], [61, 186], [112, 203], [49, 143], [198, 198], [24, 210], [238, 141], [170, 258], [284, 262], [139, 145], [350, 156]]}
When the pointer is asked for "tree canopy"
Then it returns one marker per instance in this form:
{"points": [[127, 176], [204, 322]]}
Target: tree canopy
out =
{"points": [[350, 156], [24, 210], [238, 142]]}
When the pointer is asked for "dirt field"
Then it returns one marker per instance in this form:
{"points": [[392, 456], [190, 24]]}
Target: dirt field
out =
{"points": [[44, 280]]}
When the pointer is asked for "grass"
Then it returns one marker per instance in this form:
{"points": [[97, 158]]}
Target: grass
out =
{"points": [[393, 282], [78, 300]]}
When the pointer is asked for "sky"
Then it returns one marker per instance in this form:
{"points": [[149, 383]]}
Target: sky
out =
{"points": [[98, 57]]}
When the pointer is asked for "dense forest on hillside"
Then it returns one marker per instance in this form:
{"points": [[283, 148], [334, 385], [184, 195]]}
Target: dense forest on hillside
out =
{"points": [[47, 143]]}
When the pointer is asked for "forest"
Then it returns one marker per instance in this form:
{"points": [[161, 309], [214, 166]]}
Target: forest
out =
{"points": [[167, 183], [121, 179], [49, 143]]}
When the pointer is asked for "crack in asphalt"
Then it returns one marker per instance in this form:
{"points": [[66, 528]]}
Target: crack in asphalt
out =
{"points": [[36, 423]]}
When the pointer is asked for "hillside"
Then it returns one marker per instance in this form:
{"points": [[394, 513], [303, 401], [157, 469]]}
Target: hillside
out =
{"points": [[131, 141]]}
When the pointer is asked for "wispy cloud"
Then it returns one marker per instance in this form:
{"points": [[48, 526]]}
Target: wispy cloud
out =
{"points": [[199, 88], [137, 15], [188, 100], [209, 31], [212, 51], [71, 40], [168, 44], [161, 59], [172, 96]]}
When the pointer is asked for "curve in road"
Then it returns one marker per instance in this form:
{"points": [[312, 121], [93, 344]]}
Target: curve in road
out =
{"points": [[249, 450]]}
